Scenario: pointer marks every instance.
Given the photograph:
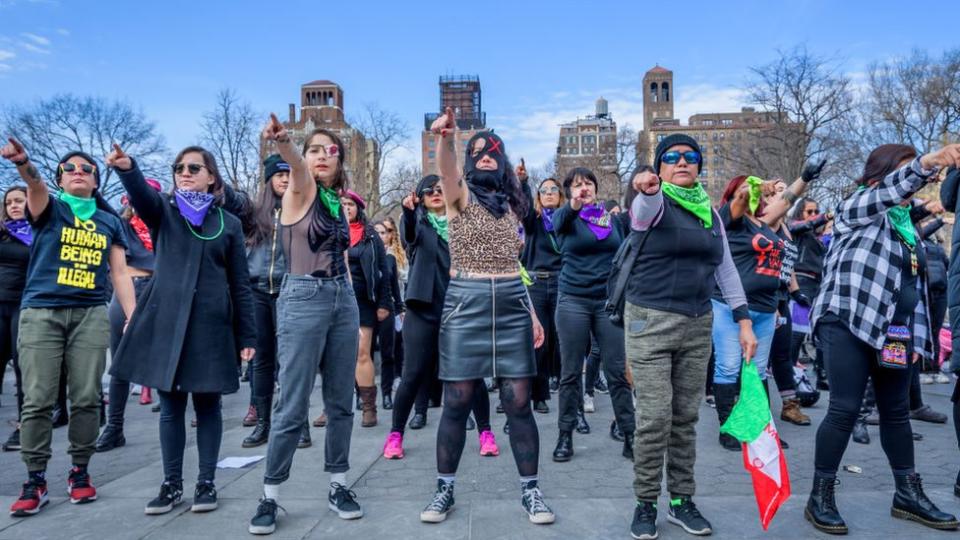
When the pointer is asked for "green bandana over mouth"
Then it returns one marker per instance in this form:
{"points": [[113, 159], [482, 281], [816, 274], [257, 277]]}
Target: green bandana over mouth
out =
{"points": [[693, 199], [755, 192], [82, 207], [330, 200]]}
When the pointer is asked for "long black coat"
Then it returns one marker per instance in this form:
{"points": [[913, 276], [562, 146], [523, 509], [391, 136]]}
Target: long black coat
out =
{"points": [[197, 312], [950, 197], [426, 251]]}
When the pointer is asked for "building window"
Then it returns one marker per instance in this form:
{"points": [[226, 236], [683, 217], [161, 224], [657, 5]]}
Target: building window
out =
{"points": [[706, 122], [665, 91], [432, 142], [714, 136], [660, 137], [727, 122], [431, 154], [653, 92]]}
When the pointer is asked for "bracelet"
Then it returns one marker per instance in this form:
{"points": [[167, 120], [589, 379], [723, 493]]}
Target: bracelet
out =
{"points": [[22, 163]]}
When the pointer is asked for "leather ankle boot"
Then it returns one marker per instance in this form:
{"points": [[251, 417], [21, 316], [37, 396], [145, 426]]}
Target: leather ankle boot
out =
{"points": [[821, 508], [725, 395], [564, 449], [860, 433], [628, 446], [261, 432], [250, 419], [368, 400], [910, 502]]}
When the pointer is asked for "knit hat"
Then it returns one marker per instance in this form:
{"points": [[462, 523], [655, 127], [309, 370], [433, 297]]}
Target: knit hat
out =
{"points": [[676, 140], [272, 165], [361, 204]]}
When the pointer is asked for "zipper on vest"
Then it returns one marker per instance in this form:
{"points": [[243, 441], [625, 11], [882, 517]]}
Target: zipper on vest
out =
{"points": [[493, 294], [273, 249]]}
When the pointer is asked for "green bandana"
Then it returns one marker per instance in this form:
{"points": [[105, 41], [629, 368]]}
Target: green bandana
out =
{"points": [[439, 224], [82, 207], [903, 225], [330, 199], [694, 199], [755, 192]]}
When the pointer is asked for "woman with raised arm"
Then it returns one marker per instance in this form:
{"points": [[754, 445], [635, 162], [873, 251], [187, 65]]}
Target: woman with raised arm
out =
{"points": [[200, 294], [317, 319], [872, 320], [488, 327], [77, 241], [16, 236]]}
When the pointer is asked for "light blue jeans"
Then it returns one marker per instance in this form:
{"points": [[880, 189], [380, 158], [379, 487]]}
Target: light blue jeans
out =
{"points": [[726, 342]]}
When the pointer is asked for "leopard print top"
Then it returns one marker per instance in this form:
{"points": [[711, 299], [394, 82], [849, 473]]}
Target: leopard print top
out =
{"points": [[483, 244]]}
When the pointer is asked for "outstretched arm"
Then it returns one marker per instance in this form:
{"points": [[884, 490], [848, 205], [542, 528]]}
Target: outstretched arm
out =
{"points": [[303, 188], [445, 128], [38, 196]]}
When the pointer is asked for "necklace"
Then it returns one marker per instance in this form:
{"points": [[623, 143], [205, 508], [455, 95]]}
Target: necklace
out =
{"points": [[207, 238]]}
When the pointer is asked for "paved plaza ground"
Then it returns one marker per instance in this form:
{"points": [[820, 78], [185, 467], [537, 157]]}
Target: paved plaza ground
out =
{"points": [[591, 494]]}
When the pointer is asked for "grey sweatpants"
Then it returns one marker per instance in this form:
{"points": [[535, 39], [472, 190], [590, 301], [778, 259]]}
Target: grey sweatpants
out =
{"points": [[668, 354]]}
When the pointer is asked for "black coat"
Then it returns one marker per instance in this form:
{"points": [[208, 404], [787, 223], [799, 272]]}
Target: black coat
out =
{"points": [[425, 252], [373, 264], [197, 312], [950, 197]]}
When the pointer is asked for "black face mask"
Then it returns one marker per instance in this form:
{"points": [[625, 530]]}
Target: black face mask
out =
{"points": [[487, 186]]}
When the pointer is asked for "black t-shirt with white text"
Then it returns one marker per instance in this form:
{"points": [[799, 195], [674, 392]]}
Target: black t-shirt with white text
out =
{"points": [[758, 253]]}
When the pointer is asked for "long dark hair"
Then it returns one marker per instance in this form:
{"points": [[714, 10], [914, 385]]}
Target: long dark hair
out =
{"points": [[884, 160], [102, 203], [3, 210], [340, 181], [797, 213], [210, 163], [263, 215]]}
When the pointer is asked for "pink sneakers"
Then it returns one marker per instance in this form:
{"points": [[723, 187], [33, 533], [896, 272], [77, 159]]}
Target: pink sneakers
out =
{"points": [[488, 444], [393, 448]]}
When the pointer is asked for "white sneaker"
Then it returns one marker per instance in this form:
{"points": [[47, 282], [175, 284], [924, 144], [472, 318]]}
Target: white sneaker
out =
{"points": [[926, 378], [941, 378], [588, 405]]}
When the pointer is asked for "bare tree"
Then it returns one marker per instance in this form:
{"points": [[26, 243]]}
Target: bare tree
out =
{"points": [[231, 132], [389, 132], [397, 184], [50, 128]]}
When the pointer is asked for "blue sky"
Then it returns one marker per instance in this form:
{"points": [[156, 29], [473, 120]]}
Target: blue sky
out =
{"points": [[540, 63]]}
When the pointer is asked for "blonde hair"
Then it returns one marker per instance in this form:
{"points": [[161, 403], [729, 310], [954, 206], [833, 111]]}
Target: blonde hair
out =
{"points": [[393, 247]]}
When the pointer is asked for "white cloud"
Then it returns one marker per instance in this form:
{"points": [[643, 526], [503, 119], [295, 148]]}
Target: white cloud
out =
{"points": [[6, 55], [39, 40], [33, 48], [63, 31], [5, 67]]}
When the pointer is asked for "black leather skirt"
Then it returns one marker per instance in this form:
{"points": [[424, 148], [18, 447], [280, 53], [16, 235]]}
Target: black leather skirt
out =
{"points": [[486, 330]]}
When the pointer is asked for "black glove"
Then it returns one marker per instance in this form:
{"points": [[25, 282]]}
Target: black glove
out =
{"points": [[801, 298], [811, 172]]}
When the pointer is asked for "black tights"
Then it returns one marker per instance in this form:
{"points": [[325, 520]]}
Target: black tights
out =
{"points": [[459, 398]]}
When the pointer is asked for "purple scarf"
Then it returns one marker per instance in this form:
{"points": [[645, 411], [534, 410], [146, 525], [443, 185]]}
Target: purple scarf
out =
{"points": [[20, 229], [598, 219], [193, 205], [547, 215]]}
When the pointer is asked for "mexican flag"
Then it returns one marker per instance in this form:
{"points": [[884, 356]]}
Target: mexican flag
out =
{"points": [[751, 423]]}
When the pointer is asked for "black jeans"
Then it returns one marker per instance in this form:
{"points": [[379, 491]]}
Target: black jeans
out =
{"points": [[543, 294], [173, 433], [9, 321], [119, 388], [386, 332], [264, 367], [421, 343], [781, 359], [591, 372], [849, 362], [576, 318], [938, 312]]}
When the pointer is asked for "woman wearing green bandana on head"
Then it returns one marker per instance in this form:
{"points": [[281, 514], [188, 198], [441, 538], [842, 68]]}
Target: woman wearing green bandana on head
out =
{"points": [[78, 241], [668, 320]]}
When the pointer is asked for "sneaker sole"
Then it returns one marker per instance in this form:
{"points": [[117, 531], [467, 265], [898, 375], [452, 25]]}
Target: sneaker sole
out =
{"points": [[829, 529], [490, 454], [345, 515], [542, 519], [704, 532], [26, 513], [83, 500], [205, 507], [393, 456], [909, 516], [252, 445], [434, 517], [653, 536], [262, 529], [160, 510]]}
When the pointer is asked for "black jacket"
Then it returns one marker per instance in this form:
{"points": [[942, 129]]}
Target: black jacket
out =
{"points": [[429, 258], [14, 258], [373, 263], [541, 251], [265, 261], [950, 198], [197, 312], [393, 279]]}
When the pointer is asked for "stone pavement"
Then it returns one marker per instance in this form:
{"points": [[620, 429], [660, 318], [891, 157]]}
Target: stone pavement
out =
{"points": [[591, 494]]}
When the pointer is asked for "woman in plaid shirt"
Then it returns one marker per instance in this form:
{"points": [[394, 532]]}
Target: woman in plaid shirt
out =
{"points": [[871, 320]]}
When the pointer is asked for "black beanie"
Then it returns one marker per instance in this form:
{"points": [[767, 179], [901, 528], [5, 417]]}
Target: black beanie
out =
{"points": [[675, 140], [272, 165]]}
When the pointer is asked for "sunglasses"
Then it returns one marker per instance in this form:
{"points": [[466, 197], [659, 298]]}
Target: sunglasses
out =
{"points": [[70, 167], [549, 190], [194, 168], [429, 192], [692, 157], [330, 150], [810, 212]]}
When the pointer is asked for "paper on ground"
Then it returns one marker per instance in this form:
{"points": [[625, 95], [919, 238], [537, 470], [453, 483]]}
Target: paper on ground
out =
{"points": [[237, 462]]}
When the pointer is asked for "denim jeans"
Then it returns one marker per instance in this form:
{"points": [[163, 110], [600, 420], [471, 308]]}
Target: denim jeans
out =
{"points": [[317, 320], [726, 342]]}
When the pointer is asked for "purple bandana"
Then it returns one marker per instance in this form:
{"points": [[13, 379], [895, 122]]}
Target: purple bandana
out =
{"points": [[547, 215], [598, 219], [193, 205], [20, 229]]}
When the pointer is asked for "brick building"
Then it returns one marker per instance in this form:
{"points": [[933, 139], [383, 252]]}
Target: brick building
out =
{"points": [[462, 93], [321, 106], [591, 142]]}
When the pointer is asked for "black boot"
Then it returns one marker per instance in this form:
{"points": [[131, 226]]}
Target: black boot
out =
{"points": [[564, 449], [60, 416], [582, 426], [628, 446], [725, 395], [822, 383], [418, 421], [821, 508], [956, 485], [910, 502], [305, 440], [112, 437], [615, 432], [860, 433], [387, 400], [261, 433]]}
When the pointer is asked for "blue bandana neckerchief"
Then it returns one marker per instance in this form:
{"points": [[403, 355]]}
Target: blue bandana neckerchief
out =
{"points": [[21, 230], [193, 205]]}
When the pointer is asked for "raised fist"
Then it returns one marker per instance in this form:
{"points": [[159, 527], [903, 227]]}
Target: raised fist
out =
{"points": [[646, 182], [445, 123], [13, 151]]}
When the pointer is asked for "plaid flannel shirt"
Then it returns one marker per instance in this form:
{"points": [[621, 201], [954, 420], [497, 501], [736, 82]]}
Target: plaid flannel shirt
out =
{"points": [[861, 276]]}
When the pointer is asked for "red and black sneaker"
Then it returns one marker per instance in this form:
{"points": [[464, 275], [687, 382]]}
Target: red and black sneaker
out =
{"points": [[79, 486], [33, 497]]}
